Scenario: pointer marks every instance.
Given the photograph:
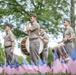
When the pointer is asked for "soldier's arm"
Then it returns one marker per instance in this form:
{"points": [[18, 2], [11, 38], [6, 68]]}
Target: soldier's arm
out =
{"points": [[27, 26], [72, 34], [12, 41], [46, 39], [34, 27]]}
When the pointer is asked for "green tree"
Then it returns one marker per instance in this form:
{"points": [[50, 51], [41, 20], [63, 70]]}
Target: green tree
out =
{"points": [[2, 55], [50, 57], [50, 13], [20, 58], [73, 16]]}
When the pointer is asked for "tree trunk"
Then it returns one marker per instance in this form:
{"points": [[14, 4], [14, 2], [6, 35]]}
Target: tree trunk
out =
{"points": [[72, 17]]}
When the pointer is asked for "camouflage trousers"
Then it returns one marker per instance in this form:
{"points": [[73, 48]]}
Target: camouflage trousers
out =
{"points": [[44, 55], [34, 50], [9, 55], [68, 47]]}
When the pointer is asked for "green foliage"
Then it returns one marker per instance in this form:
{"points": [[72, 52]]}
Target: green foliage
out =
{"points": [[2, 56], [50, 13], [50, 56], [20, 58], [18, 33], [28, 59]]}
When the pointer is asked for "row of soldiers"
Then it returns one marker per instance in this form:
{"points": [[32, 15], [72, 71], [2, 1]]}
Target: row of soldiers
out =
{"points": [[34, 31]]}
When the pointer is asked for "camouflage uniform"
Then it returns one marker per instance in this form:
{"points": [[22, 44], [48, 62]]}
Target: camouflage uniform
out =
{"points": [[34, 42], [68, 32], [44, 54], [9, 38]]}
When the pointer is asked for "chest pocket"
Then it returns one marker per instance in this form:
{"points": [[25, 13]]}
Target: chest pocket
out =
{"points": [[67, 33], [7, 38]]}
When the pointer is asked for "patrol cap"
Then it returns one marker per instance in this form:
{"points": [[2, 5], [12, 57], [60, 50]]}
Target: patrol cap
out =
{"points": [[33, 15], [66, 19], [42, 27], [9, 25]]}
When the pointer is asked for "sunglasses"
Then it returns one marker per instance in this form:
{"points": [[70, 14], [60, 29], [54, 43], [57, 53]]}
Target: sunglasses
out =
{"points": [[30, 18], [64, 21]]}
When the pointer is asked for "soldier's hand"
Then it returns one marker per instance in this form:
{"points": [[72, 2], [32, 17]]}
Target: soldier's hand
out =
{"points": [[12, 51], [27, 22], [27, 25], [28, 29], [65, 39], [41, 37]]}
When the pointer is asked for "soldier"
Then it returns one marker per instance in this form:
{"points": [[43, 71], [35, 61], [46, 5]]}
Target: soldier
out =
{"points": [[33, 31], [9, 43], [68, 36], [44, 37]]}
